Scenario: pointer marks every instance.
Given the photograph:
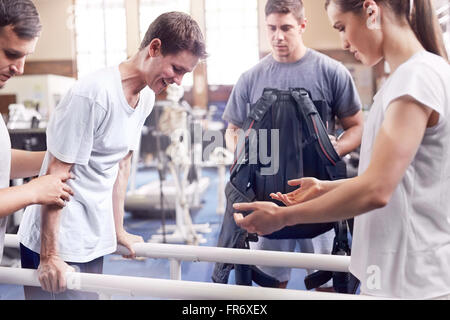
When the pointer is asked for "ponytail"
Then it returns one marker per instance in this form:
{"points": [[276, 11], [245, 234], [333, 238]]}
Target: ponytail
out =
{"points": [[420, 15], [423, 20]]}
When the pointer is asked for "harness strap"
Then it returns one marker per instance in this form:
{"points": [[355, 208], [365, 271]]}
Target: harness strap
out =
{"points": [[315, 127], [241, 154], [317, 279], [257, 113], [341, 280]]}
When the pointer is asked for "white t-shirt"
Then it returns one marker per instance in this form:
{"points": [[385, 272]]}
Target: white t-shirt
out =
{"points": [[94, 128], [403, 250], [5, 168]]}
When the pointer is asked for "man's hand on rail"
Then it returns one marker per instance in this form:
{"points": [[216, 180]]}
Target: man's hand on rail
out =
{"points": [[52, 274], [127, 240]]}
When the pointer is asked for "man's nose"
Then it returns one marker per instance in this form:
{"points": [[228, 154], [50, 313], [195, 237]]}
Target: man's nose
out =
{"points": [[17, 68], [279, 35], [178, 79]]}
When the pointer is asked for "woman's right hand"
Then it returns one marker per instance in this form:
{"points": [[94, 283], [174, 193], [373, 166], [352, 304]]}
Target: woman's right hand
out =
{"points": [[51, 189], [308, 189]]}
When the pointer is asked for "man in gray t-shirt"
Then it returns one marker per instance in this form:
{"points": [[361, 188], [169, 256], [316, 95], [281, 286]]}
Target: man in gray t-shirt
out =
{"points": [[292, 65]]}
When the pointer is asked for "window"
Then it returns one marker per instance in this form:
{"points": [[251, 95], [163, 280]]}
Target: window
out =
{"points": [[100, 28], [149, 10], [443, 11], [231, 38]]}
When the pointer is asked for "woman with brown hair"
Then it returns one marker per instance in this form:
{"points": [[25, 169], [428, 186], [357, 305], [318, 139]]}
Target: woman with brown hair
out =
{"points": [[401, 243]]}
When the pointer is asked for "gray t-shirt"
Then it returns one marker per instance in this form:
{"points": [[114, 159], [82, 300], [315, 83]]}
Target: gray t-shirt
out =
{"points": [[5, 167], [325, 78]]}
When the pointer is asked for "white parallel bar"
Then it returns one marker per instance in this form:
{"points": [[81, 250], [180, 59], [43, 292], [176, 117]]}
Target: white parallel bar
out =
{"points": [[241, 256], [226, 255], [11, 241], [168, 289]]}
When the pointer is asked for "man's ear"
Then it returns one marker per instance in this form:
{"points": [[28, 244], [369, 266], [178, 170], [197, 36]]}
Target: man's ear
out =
{"points": [[303, 25], [154, 49]]}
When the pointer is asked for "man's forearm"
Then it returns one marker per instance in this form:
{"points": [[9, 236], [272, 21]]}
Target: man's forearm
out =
{"points": [[119, 192], [232, 136], [50, 217], [25, 164], [118, 209], [353, 130], [231, 139], [349, 141]]}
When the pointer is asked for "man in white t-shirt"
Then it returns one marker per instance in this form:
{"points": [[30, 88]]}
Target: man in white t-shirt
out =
{"points": [[93, 133], [20, 28]]}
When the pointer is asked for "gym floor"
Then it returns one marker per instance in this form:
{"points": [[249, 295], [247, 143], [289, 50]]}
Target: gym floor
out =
{"points": [[160, 268]]}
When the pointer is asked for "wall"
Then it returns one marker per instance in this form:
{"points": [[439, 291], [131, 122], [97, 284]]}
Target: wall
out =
{"points": [[57, 39], [133, 29], [319, 32], [57, 42], [55, 51]]}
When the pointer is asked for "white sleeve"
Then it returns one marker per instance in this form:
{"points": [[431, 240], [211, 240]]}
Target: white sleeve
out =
{"points": [[422, 83], [70, 133]]}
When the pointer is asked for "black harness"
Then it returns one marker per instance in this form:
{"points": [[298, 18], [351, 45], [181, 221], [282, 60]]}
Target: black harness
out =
{"points": [[304, 150]]}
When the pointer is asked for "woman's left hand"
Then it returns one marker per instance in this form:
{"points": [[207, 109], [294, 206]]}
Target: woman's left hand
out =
{"points": [[266, 217]]}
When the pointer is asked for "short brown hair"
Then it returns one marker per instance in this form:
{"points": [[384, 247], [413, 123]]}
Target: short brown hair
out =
{"points": [[22, 15], [286, 6], [177, 32]]}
